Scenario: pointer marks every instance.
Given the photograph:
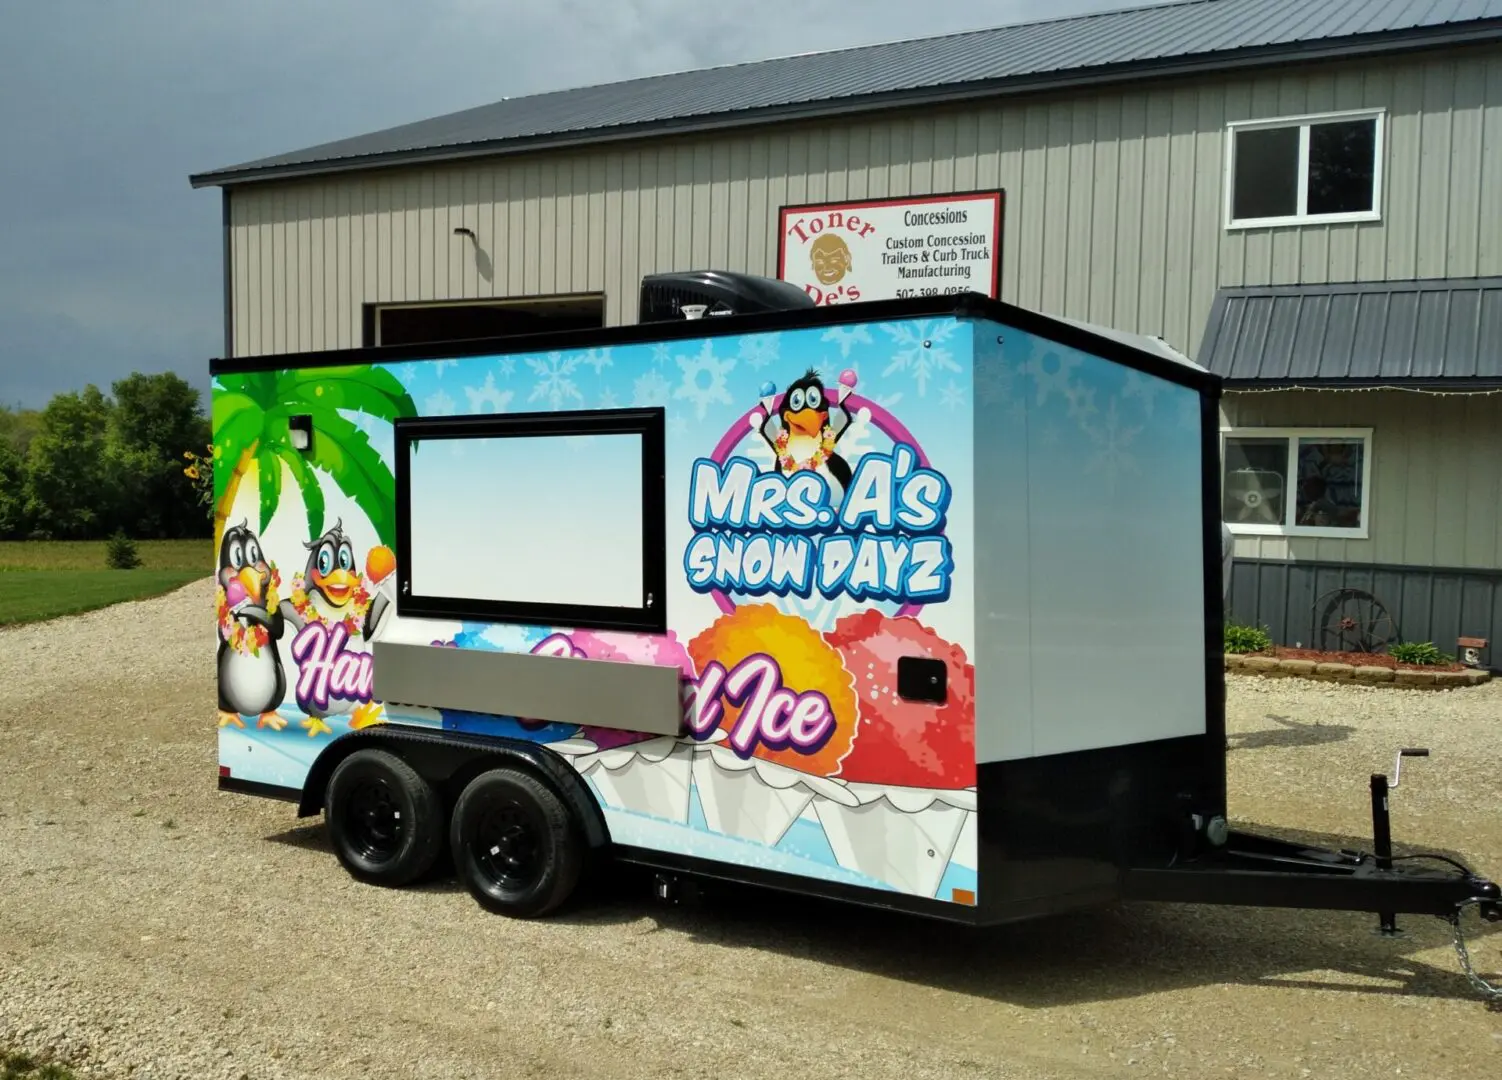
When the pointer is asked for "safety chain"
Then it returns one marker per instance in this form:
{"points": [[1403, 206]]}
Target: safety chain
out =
{"points": [[1493, 994]]}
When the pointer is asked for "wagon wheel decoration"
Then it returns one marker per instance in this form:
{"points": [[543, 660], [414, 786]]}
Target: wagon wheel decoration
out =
{"points": [[1353, 620]]}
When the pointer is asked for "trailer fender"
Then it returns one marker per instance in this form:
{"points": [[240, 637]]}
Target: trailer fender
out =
{"points": [[452, 759]]}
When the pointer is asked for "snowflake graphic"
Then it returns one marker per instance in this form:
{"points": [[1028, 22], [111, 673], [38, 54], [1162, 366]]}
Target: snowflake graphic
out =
{"points": [[650, 389], [661, 354], [993, 381], [1081, 402], [439, 404], [919, 350], [1114, 457], [846, 337], [693, 388], [487, 396], [1050, 378], [1142, 388], [445, 362], [952, 395], [760, 350], [599, 359], [408, 372], [607, 399], [508, 366], [554, 382]]}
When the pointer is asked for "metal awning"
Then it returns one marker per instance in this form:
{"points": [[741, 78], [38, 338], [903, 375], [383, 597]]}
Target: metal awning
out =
{"points": [[1438, 332]]}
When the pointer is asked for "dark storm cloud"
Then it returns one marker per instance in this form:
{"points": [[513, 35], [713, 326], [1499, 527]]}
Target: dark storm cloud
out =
{"points": [[110, 263]]}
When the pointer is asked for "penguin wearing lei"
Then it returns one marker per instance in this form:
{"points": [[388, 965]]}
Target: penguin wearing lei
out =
{"points": [[331, 591], [806, 436]]}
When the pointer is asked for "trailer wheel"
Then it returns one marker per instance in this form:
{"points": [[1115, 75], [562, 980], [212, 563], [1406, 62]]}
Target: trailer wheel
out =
{"points": [[385, 821], [515, 844]]}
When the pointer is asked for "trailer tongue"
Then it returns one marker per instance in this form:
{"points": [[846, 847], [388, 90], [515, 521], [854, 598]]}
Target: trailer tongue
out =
{"points": [[1257, 871]]}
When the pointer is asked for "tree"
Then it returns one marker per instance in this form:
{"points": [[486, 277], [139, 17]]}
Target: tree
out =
{"points": [[155, 420], [250, 419], [67, 493], [18, 426], [12, 492]]}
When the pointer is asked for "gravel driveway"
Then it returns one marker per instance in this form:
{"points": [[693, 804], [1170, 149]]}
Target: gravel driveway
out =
{"points": [[151, 924]]}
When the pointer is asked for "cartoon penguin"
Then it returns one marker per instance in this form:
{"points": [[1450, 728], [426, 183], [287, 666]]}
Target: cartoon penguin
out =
{"points": [[330, 586], [252, 681], [806, 439]]}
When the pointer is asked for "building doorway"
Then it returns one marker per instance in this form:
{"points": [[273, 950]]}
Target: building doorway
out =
{"points": [[460, 320]]}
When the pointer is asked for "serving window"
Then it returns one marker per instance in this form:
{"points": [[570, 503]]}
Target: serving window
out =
{"points": [[554, 519]]}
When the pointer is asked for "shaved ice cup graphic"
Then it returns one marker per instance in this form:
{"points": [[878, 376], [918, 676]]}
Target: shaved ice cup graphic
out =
{"points": [[905, 829], [818, 611], [902, 836], [641, 774], [756, 794]]}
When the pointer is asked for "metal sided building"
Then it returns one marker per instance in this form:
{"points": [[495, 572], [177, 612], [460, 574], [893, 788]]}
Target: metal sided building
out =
{"points": [[1303, 195]]}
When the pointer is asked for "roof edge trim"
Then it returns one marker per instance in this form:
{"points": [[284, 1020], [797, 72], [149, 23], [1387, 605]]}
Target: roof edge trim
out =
{"points": [[1354, 47]]}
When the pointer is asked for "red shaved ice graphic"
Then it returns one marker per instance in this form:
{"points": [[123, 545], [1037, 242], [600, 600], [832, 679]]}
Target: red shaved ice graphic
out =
{"points": [[906, 743]]}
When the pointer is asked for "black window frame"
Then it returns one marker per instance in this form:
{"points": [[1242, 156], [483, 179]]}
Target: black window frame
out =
{"points": [[1303, 124], [648, 423]]}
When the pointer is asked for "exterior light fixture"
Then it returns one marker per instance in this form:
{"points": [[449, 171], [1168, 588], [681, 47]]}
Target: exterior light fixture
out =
{"points": [[300, 429]]}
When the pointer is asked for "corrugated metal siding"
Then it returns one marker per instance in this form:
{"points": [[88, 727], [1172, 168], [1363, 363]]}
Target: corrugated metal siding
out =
{"points": [[1436, 495], [1422, 604], [1156, 32], [1442, 329], [1114, 206]]}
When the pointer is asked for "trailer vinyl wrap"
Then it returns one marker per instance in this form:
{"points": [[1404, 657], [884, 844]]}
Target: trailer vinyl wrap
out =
{"points": [[939, 579]]}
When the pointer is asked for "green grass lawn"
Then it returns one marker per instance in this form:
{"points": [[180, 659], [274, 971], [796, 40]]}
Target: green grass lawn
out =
{"points": [[45, 579], [15, 1066]]}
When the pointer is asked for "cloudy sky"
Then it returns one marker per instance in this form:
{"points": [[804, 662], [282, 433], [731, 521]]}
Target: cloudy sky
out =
{"points": [[110, 263]]}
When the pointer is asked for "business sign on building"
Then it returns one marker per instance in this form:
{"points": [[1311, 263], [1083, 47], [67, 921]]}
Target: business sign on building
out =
{"points": [[886, 249]]}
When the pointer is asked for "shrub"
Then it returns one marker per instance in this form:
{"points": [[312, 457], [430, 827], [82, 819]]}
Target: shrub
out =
{"points": [[122, 554], [1419, 652], [1247, 639]]}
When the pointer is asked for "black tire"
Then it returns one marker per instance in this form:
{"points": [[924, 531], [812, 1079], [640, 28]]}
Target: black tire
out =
{"points": [[516, 844], [385, 821]]}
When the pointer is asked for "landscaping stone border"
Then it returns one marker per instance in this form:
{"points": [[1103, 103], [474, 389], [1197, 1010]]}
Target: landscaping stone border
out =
{"points": [[1373, 675]]}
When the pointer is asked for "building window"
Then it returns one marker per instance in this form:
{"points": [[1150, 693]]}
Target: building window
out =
{"points": [[1304, 170], [1285, 482], [543, 519]]}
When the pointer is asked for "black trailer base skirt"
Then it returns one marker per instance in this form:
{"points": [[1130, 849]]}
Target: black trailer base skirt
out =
{"points": [[1256, 871]]}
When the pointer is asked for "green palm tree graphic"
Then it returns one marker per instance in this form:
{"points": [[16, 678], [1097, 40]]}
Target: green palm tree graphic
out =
{"points": [[250, 420]]}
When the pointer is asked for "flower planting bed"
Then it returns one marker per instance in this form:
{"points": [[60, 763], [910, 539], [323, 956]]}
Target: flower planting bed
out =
{"points": [[1368, 669]]}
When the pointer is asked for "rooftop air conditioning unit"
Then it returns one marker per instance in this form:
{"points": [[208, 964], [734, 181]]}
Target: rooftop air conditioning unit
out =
{"points": [[707, 293]]}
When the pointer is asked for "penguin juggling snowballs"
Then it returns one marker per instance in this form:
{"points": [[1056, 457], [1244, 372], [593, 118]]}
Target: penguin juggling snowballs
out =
{"points": [[806, 438], [252, 681]]}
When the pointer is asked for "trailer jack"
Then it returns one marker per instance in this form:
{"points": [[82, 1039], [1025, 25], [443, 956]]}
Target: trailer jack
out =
{"points": [[1257, 871]]}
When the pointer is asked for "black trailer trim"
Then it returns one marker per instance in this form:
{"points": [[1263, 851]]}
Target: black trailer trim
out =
{"points": [[649, 423], [959, 305], [259, 790], [797, 884], [1215, 601]]}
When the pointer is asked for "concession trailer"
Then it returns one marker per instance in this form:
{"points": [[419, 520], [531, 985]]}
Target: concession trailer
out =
{"points": [[913, 603]]}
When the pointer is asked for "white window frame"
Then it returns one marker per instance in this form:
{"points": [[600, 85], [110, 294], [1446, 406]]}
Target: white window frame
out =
{"points": [[1292, 436], [1303, 123]]}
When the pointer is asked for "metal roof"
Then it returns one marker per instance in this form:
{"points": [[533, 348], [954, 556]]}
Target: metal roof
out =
{"points": [[1183, 37], [1443, 330]]}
